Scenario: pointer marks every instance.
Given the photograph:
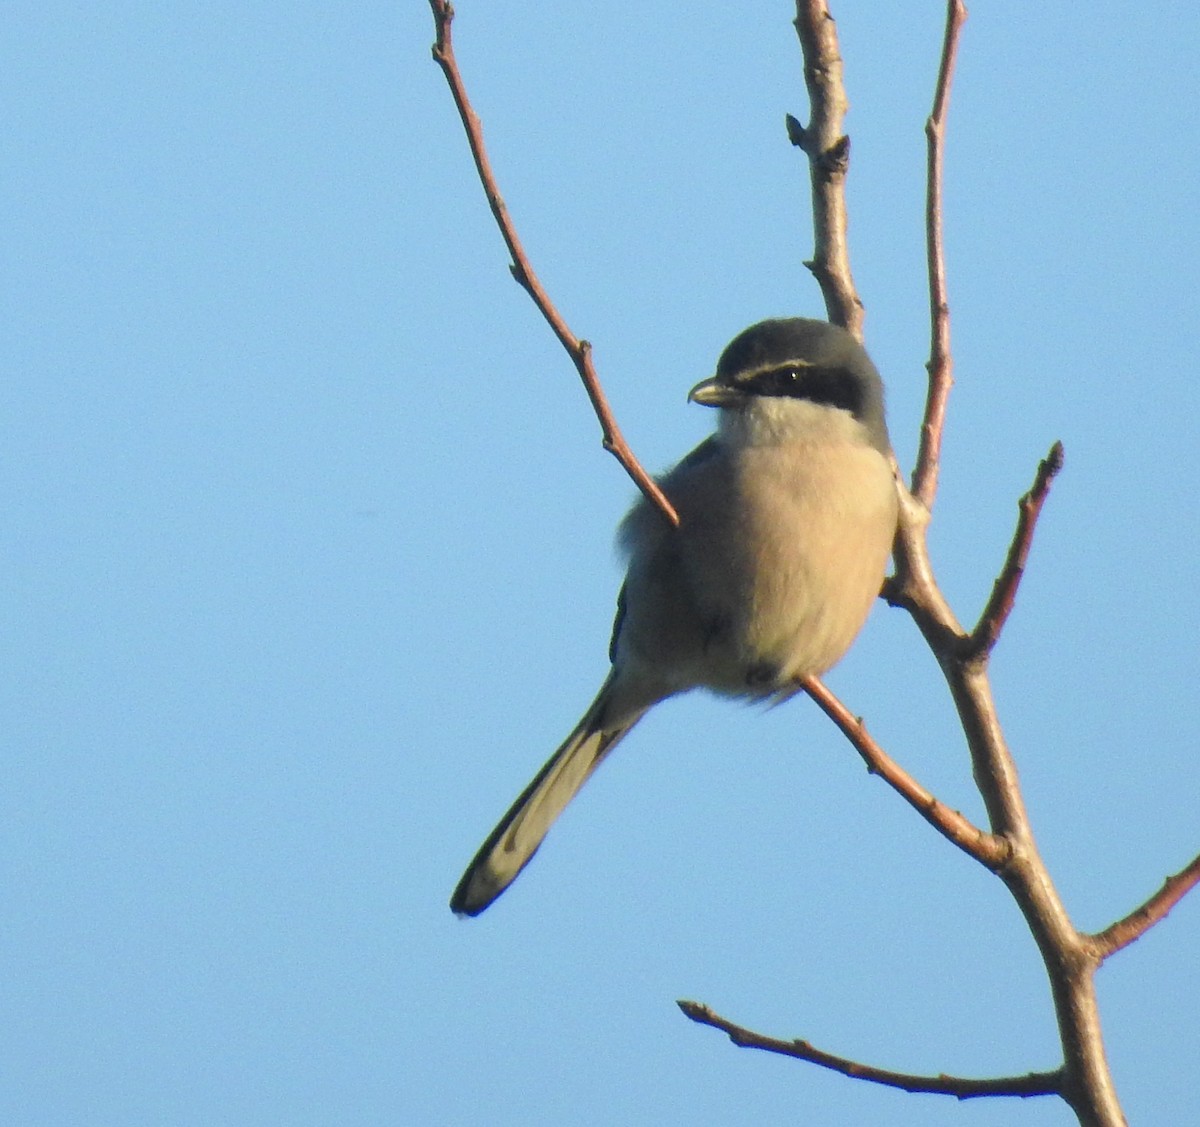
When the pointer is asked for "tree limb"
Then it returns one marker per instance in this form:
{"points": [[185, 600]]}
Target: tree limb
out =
{"points": [[941, 364], [1004, 591], [828, 152], [580, 351], [1069, 957], [961, 1087], [1133, 926], [989, 850]]}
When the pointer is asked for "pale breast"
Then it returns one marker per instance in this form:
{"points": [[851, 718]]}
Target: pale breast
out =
{"points": [[781, 551], [802, 555]]}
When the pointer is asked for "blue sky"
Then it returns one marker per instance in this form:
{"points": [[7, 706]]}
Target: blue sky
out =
{"points": [[307, 554]]}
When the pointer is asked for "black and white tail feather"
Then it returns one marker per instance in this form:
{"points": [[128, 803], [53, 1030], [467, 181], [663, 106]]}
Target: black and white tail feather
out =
{"points": [[512, 844]]}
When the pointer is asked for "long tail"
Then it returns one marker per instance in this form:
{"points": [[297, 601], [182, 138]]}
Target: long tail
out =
{"points": [[512, 844]]}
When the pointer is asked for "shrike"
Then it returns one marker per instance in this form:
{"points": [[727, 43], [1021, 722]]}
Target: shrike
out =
{"points": [[786, 520]]}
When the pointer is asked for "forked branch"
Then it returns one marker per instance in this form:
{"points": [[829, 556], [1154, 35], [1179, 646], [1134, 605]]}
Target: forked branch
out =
{"points": [[1084, 1080]]}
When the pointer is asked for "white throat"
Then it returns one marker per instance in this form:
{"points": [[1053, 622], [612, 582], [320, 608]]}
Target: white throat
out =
{"points": [[771, 420]]}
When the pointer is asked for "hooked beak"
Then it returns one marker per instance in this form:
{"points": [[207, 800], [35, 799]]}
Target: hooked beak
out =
{"points": [[713, 393]]}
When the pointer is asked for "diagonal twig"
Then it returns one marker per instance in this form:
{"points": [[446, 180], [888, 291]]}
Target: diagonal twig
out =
{"points": [[961, 1087], [988, 849], [580, 351], [941, 365], [1142, 919], [1004, 591]]}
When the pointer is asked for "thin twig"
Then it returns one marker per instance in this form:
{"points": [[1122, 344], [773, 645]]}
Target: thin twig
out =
{"points": [[988, 849], [961, 1087], [580, 351], [1142, 919], [828, 152], [941, 365], [1004, 591]]}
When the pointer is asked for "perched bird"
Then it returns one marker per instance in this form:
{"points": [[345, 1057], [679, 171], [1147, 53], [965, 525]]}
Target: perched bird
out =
{"points": [[786, 520]]}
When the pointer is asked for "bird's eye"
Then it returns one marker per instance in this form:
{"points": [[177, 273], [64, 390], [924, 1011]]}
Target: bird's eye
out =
{"points": [[780, 381]]}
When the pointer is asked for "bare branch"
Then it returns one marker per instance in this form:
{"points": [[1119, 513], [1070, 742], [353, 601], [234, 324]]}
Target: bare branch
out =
{"points": [[941, 365], [961, 1087], [580, 351], [1004, 591], [989, 850], [828, 152], [1141, 920], [1069, 957]]}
